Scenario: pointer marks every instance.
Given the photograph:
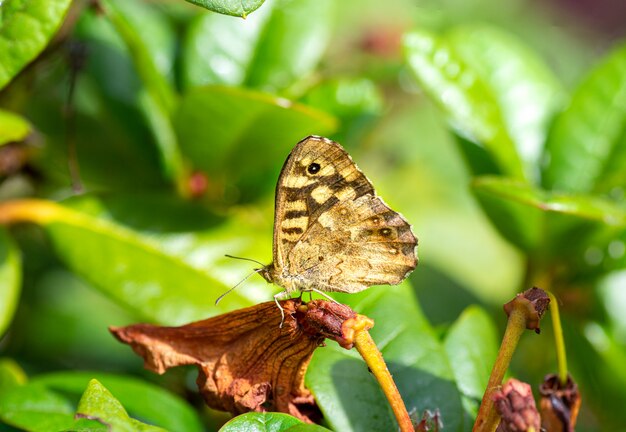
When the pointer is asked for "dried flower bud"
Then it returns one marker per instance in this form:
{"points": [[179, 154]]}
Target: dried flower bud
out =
{"points": [[559, 403], [246, 361], [430, 422], [515, 404], [536, 302], [326, 319]]}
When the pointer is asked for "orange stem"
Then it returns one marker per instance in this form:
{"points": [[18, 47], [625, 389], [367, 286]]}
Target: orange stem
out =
{"points": [[488, 419], [374, 359]]}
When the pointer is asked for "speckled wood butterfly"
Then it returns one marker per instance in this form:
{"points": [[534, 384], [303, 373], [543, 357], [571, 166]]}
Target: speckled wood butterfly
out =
{"points": [[331, 231]]}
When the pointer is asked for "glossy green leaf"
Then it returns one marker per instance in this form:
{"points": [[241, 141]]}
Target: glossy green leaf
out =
{"points": [[11, 374], [25, 30], [355, 101], [159, 98], [35, 408], [349, 396], [595, 343], [10, 279], [240, 138], [268, 422], [267, 51], [98, 403], [517, 221], [133, 269], [472, 347], [586, 142], [12, 127], [526, 91], [580, 206], [237, 8], [142, 399], [469, 103]]}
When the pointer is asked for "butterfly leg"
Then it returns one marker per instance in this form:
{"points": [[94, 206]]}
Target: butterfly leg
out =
{"points": [[324, 294], [281, 295]]}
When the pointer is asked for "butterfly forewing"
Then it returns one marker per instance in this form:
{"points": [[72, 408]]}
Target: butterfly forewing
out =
{"points": [[304, 193], [331, 232]]}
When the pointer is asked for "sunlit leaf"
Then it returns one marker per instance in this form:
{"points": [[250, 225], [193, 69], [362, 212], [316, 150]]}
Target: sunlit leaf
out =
{"points": [[467, 100], [11, 374], [586, 142], [35, 408], [267, 51], [348, 394], [518, 221], [269, 422], [25, 30], [133, 269], [237, 8], [12, 127], [527, 92], [159, 98], [241, 138], [10, 279], [581, 206], [140, 398], [472, 346], [99, 404], [355, 101]]}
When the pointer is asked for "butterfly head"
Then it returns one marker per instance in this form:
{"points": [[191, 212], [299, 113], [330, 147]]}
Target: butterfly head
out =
{"points": [[266, 272]]}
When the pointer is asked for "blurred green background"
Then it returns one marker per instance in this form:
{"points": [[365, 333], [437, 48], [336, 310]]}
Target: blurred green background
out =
{"points": [[161, 128]]}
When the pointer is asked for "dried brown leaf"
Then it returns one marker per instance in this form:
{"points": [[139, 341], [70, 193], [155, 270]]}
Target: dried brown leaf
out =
{"points": [[246, 361]]}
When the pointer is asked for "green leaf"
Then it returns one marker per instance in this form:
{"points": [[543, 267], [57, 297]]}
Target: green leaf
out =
{"points": [[467, 100], [240, 138], [133, 269], [237, 8], [355, 101], [597, 344], [349, 396], [98, 403], [11, 374], [159, 98], [35, 408], [588, 137], [268, 422], [25, 30], [10, 279], [12, 127], [142, 399], [580, 206], [517, 221], [525, 89], [472, 347], [267, 51]]}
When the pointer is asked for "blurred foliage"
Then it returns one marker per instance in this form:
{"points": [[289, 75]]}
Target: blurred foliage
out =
{"points": [[142, 141]]}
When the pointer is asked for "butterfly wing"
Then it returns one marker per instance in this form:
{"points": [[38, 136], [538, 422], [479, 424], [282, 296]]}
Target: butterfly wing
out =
{"points": [[333, 233], [356, 244], [303, 192]]}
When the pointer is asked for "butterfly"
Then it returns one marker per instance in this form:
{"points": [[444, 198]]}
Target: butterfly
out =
{"points": [[332, 233]]}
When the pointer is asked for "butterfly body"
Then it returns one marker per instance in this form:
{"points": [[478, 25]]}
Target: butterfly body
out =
{"points": [[331, 231]]}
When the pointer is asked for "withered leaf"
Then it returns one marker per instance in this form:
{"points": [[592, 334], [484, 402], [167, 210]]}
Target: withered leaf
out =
{"points": [[246, 361]]}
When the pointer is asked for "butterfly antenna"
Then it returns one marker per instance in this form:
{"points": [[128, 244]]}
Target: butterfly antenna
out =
{"points": [[238, 283], [246, 259]]}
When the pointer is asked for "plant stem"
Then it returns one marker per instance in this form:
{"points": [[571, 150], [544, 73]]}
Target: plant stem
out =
{"points": [[559, 342], [374, 360], [488, 419]]}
